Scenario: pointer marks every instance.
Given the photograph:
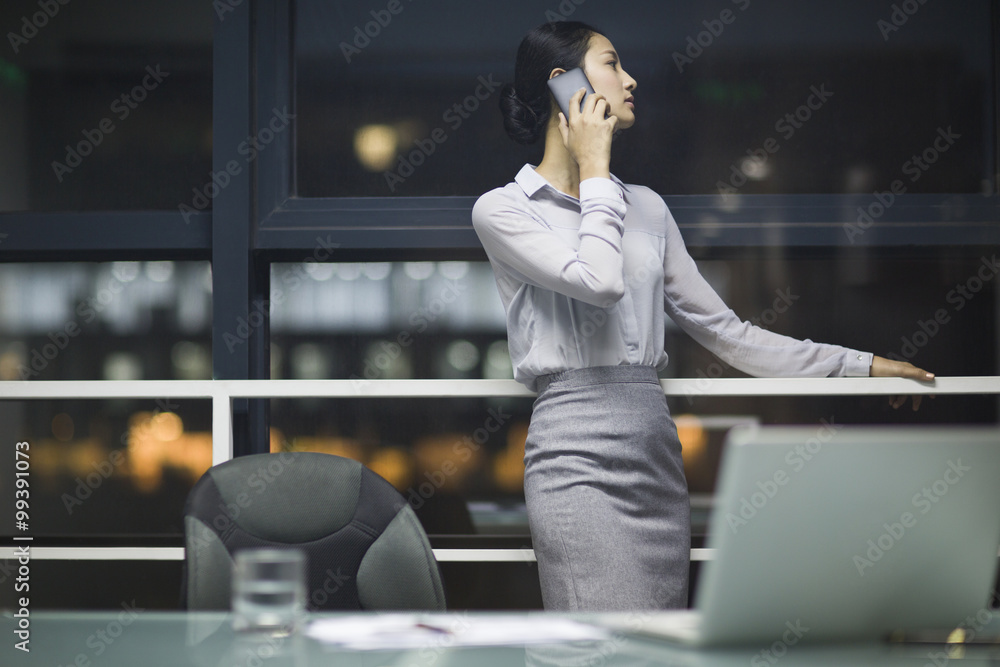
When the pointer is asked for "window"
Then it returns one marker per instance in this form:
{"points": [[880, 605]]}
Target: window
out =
{"points": [[784, 98], [104, 107]]}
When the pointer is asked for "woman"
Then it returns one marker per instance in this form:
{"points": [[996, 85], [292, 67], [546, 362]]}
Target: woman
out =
{"points": [[586, 267]]}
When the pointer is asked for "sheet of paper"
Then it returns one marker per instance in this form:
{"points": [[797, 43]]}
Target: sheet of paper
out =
{"points": [[407, 631]]}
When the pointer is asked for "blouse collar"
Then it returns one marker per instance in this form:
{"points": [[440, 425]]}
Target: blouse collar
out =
{"points": [[531, 181]]}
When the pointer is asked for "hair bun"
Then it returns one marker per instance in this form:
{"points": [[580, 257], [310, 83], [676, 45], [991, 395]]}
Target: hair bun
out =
{"points": [[527, 104], [521, 121]]}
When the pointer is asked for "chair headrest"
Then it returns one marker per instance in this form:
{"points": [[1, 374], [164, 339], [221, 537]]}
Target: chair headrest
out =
{"points": [[260, 491]]}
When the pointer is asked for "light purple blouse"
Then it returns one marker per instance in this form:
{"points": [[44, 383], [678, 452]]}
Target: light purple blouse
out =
{"points": [[586, 282]]}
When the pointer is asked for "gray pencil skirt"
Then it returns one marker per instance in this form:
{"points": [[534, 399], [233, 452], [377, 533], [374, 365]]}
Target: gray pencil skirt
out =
{"points": [[606, 494]]}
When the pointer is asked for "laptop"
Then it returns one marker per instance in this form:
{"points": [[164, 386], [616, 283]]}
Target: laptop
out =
{"points": [[843, 533]]}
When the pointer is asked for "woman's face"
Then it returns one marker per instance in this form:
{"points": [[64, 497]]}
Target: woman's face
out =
{"points": [[606, 75]]}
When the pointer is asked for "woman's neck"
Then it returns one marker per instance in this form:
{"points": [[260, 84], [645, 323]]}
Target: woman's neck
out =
{"points": [[557, 166]]}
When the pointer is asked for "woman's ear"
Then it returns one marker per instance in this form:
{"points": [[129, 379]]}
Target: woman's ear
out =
{"points": [[556, 72]]}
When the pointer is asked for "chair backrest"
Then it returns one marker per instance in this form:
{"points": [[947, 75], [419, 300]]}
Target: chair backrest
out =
{"points": [[364, 546]]}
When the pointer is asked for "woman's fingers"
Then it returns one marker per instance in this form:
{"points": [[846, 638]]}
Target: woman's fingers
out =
{"points": [[914, 373], [564, 128], [602, 110], [588, 134], [882, 367], [595, 104], [898, 401], [576, 103]]}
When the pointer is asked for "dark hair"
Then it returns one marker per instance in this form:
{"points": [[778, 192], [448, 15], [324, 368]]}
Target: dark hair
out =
{"points": [[527, 103]]}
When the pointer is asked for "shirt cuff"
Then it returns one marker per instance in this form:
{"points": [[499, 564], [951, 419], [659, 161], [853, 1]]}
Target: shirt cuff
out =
{"points": [[601, 187], [859, 364]]}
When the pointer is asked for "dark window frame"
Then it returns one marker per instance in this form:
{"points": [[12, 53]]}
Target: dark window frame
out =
{"points": [[288, 224]]}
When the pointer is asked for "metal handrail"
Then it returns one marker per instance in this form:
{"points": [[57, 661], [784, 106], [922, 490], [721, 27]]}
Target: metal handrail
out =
{"points": [[222, 393]]}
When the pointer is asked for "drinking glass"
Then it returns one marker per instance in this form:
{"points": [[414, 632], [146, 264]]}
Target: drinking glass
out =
{"points": [[269, 590]]}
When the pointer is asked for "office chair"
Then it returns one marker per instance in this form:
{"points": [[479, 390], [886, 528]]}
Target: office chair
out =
{"points": [[364, 546]]}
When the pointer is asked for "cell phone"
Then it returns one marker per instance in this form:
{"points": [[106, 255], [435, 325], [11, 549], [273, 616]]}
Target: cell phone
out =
{"points": [[565, 85]]}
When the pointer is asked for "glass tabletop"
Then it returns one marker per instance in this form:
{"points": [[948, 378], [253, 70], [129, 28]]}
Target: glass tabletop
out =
{"points": [[135, 637]]}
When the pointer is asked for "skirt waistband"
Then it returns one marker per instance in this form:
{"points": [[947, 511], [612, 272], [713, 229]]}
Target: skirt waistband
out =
{"points": [[582, 377]]}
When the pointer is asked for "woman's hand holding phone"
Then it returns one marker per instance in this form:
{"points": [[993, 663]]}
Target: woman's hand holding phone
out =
{"points": [[587, 134]]}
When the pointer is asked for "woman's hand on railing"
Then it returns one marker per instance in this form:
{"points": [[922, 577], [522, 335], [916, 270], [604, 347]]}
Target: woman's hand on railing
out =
{"points": [[882, 367]]}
